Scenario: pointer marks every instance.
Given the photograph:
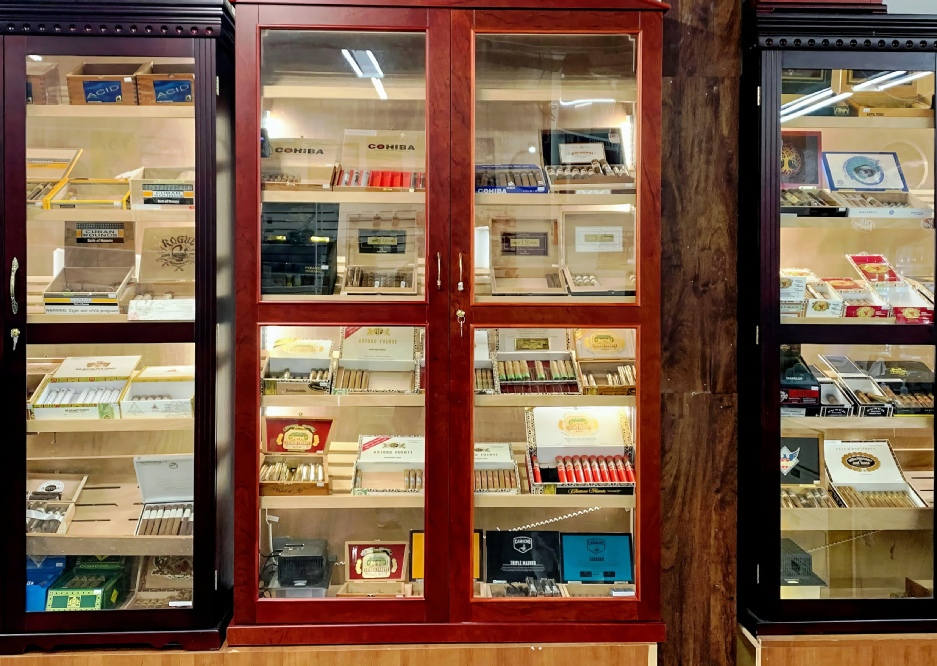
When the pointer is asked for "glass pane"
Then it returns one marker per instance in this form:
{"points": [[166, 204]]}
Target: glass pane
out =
{"points": [[342, 473], [857, 197], [555, 461], [110, 230], [343, 165], [857, 471], [555, 172]]}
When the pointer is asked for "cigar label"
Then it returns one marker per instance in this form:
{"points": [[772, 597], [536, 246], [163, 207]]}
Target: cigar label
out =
{"points": [[560, 469]]}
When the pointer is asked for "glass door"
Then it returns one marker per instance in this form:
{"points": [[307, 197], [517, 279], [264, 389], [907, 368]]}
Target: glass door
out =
{"points": [[101, 263], [560, 313]]}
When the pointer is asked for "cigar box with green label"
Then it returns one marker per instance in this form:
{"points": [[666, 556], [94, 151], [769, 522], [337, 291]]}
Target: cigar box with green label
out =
{"points": [[84, 590], [296, 366], [606, 358], [84, 387], [525, 257], [95, 279], [162, 188], [383, 252], [597, 251], [378, 359], [46, 168], [535, 360]]}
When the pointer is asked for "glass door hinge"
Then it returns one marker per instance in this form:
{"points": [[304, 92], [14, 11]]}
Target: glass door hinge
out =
{"points": [[759, 95]]}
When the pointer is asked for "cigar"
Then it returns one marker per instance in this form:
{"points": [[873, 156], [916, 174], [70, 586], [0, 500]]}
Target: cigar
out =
{"points": [[186, 515], [603, 471], [586, 470], [577, 470], [560, 469], [536, 467]]}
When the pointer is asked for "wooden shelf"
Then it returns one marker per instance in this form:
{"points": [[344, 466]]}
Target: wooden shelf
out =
{"points": [[359, 400], [523, 501], [169, 216], [857, 123], [109, 111], [822, 520], [859, 224], [109, 425], [552, 400], [419, 198], [417, 501], [922, 422], [556, 199], [126, 544], [66, 319]]}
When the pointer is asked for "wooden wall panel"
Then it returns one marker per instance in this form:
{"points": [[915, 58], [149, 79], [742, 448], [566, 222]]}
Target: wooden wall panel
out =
{"points": [[702, 64], [859, 650]]}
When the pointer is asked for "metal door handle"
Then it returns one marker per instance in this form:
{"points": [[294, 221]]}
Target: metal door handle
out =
{"points": [[13, 268], [438, 271], [461, 283]]}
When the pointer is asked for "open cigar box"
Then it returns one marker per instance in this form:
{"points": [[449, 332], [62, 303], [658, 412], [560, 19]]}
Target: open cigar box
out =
{"points": [[382, 161], [163, 581], [50, 501], [909, 385], [383, 252], [375, 569], [165, 287], [295, 458], [606, 360], [525, 257], [167, 486], [298, 367], [93, 583], [485, 369], [908, 304], [166, 391], [867, 397], [866, 475], [535, 360], [598, 250], [46, 168], [388, 465], [378, 359], [90, 193], [496, 469], [84, 387], [299, 165], [587, 159], [873, 185], [859, 298]]}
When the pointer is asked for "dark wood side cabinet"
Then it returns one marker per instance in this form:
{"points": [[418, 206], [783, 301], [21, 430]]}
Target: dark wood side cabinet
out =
{"points": [[836, 324], [118, 323]]}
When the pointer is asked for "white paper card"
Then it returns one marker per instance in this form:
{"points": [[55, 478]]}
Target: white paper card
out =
{"points": [[172, 309], [581, 153], [599, 239]]}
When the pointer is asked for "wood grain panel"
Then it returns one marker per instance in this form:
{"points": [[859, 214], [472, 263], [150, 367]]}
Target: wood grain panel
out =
{"points": [[701, 38], [698, 495], [859, 650]]}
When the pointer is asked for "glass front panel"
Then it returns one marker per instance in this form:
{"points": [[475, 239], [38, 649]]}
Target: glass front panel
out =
{"points": [[343, 165], [857, 471], [110, 230], [342, 461], [555, 171], [857, 197], [556, 461]]}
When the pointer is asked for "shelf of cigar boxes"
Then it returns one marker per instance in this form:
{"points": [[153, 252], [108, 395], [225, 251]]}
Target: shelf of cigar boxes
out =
{"points": [[341, 458], [812, 207], [419, 197], [860, 122]]}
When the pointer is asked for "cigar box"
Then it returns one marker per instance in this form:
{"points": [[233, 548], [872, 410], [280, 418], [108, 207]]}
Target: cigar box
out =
{"points": [[867, 398], [296, 435], [535, 360], [378, 359], [801, 466], [163, 582], [417, 557], [598, 250], [45, 169], [156, 188], [794, 283], [81, 590], [88, 387], [42, 83], [597, 590], [89, 193], [588, 159], [167, 84], [298, 367], [160, 392], [382, 161], [597, 558], [525, 257], [579, 433], [36, 370], [41, 574], [299, 165], [495, 469], [44, 517], [389, 465], [485, 368], [383, 252], [823, 300], [513, 556], [808, 201], [99, 262], [859, 299], [872, 184], [923, 283], [867, 466], [165, 287], [375, 569], [908, 384], [167, 487], [879, 105], [105, 83], [907, 304], [299, 252], [543, 588], [295, 474], [509, 179], [65, 488], [606, 360], [833, 400]]}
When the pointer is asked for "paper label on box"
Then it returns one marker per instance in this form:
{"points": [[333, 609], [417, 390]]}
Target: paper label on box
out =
{"points": [[525, 243], [99, 232], [157, 309], [378, 343], [96, 368], [376, 560], [572, 427], [605, 343], [382, 241], [383, 449], [581, 153], [859, 462], [494, 453], [531, 339], [182, 194], [172, 90], [102, 92], [599, 239]]}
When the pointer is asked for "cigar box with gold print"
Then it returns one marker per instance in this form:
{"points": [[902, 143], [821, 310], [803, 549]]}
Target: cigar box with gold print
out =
{"points": [[859, 298], [525, 257], [606, 358], [535, 360], [375, 569], [866, 474], [378, 359], [163, 581], [295, 475], [84, 387], [495, 469], [867, 397], [298, 165], [89, 193], [908, 305], [389, 465], [908, 384], [383, 252], [46, 168], [165, 287], [167, 488], [597, 251], [88, 590], [298, 367]]}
